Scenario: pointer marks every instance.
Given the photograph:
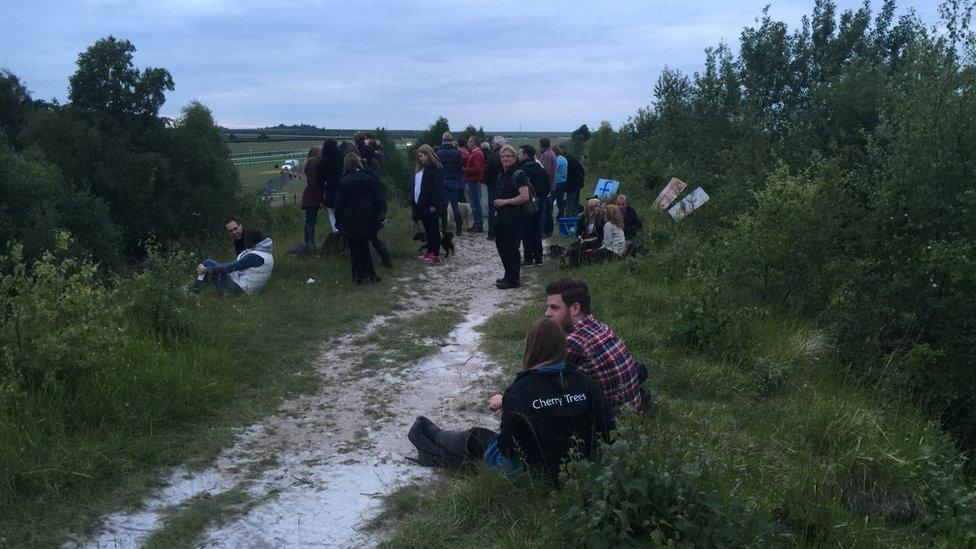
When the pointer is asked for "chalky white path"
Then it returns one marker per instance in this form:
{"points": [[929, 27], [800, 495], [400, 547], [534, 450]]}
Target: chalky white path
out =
{"points": [[332, 462]]}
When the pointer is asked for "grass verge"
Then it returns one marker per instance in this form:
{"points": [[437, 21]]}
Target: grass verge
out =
{"points": [[755, 443], [99, 441]]}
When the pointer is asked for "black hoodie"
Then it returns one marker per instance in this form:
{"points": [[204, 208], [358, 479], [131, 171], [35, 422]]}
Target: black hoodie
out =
{"points": [[537, 176], [549, 410]]}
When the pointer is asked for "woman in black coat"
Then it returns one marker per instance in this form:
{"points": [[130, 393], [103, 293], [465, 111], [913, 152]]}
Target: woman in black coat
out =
{"points": [[359, 208], [428, 199], [330, 170]]}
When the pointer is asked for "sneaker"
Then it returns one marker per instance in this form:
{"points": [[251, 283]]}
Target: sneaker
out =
{"points": [[475, 230], [499, 280], [431, 258], [425, 256]]}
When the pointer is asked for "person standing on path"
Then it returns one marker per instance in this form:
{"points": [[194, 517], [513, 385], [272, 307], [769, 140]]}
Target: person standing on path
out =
{"points": [[548, 160], [312, 195], [493, 169], [450, 158], [531, 233], [513, 191], [330, 171], [428, 199], [474, 170], [575, 178], [359, 206], [562, 172]]}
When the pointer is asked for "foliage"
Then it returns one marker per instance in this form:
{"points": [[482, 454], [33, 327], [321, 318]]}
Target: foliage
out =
{"points": [[623, 499]]}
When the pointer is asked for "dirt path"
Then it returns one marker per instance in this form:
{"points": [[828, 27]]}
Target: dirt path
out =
{"points": [[313, 473]]}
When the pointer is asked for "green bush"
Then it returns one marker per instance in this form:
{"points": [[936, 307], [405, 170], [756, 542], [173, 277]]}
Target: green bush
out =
{"points": [[624, 498]]}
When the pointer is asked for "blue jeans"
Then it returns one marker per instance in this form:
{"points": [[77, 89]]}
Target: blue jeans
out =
{"points": [[311, 215], [222, 281], [572, 202], [474, 199], [545, 222], [451, 197]]}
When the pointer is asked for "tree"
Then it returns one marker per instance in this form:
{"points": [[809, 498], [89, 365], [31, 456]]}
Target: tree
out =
{"points": [[106, 83], [15, 105]]}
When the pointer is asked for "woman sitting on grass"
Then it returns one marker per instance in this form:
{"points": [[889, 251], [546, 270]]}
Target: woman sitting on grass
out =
{"points": [[246, 275], [614, 244], [589, 232], [549, 411]]}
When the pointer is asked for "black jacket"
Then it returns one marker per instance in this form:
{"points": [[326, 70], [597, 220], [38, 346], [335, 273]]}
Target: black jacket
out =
{"points": [[582, 223], [431, 194], [632, 223], [450, 158], [537, 176], [575, 174], [493, 169], [360, 206], [510, 183], [548, 411]]}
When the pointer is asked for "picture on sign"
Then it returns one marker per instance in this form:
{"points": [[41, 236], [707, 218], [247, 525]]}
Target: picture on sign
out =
{"points": [[688, 204], [670, 192], [606, 187]]}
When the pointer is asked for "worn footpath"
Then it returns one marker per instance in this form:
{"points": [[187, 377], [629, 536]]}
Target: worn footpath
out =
{"points": [[313, 474]]}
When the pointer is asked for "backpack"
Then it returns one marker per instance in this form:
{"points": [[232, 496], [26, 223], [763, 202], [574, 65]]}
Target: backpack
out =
{"points": [[532, 206]]}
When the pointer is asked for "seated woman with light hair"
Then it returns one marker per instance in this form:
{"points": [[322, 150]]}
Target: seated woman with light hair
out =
{"points": [[614, 244]]}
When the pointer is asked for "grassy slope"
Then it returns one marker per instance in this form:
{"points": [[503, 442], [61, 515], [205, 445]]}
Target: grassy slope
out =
{"points": [[814, 460], [249, 353]]}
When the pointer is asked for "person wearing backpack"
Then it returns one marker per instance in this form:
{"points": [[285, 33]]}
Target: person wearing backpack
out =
{"points": [[513, 193], [532, 235]]}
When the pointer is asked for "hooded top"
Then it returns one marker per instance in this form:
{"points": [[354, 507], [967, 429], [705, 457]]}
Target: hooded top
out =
{"points": [[252, 268]]}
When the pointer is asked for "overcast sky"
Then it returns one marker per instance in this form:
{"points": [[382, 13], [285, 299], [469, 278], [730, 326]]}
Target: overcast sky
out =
{"points": [[546, 66]]}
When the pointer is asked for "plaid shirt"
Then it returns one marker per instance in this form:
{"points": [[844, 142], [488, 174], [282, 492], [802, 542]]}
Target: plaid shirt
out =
{"points": [[593, 348]]}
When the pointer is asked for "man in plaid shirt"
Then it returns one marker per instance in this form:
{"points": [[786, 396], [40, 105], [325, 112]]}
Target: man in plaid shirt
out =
{"points": [[591, 346]]}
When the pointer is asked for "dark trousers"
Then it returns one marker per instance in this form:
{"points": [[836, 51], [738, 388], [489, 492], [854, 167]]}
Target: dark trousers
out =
{"points": [[362, 262], [311, 215], [545, 206], [532, 238], [432, 232], [380, 249], [491, 211], [221, 281], [572, 202], [508, 233], [560, 196], [451, 197]]}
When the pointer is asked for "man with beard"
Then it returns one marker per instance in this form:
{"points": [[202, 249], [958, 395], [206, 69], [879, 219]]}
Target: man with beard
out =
{"points": [[592, 347]]}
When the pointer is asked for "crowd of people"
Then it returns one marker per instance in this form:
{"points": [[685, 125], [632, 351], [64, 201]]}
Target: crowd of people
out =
{"points": [[577, 373], [512, 195]]}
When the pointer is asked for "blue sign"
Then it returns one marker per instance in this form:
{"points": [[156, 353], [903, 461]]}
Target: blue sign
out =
{"points": [[606, 187]]}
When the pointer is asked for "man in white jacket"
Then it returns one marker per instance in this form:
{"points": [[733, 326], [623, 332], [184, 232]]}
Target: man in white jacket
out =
{"points": [[245, 275]]}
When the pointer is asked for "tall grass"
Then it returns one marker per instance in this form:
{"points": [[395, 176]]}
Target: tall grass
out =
{"points": [[105, 384]]}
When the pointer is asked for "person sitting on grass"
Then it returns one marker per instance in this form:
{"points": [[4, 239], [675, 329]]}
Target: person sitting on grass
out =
{"points": [[246, 275], [591, 346], [589, 232], [614, 244], [632, 223], [235, 230], [548, 412]]}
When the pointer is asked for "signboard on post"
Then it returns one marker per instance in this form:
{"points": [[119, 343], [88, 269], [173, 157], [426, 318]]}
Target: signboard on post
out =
{"points": [[670, 192], [688, 204], [606, 187]]}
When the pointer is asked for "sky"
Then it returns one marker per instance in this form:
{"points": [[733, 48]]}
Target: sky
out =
{"points": [[503, 65]]}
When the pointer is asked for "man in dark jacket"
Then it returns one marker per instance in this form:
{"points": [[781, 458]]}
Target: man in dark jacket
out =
{"points": [[450, 158], [532, 236], [575, 178], [632, 223], [493, 169]]}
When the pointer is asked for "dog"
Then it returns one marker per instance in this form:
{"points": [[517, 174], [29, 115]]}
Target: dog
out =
{"points": [[447, 242], [467, 217]]}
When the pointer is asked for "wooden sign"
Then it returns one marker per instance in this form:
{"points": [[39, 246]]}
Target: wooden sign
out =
{"points": [[688, 204], [670, 192]]}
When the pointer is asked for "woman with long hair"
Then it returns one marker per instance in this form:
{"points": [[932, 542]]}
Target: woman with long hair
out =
{"points": [[312, 195], [358, 208], [330, 170], [428, 199], [614, 244], [548, 412]]}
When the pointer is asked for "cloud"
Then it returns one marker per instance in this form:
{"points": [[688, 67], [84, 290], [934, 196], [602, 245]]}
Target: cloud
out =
{"points": [[546, 65]]}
